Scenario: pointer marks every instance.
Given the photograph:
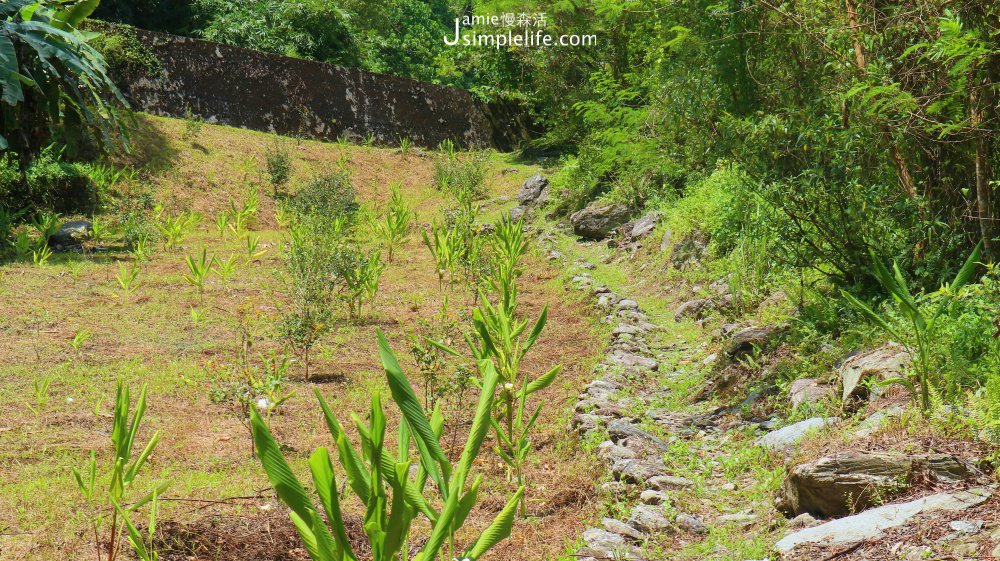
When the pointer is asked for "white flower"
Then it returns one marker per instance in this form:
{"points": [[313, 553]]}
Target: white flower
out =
{"points": [[263, 404]]}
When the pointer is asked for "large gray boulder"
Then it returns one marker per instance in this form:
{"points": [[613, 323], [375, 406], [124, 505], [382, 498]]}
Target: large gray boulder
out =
{"points": [[534, 190], [873, 523], [598, 221], [854, 481], [74, 232]]}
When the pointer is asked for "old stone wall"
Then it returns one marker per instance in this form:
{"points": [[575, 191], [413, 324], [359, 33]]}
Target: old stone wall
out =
{"points": [[266, 92]]}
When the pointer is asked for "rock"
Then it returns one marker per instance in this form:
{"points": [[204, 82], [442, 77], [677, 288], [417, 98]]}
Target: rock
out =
{"points": [[883, 363], [872, 523], [648, 519], [554, 255], [632, 361], [804, 520], [626, 304], [517, 213], [667, 482], [622, 529], [692, 309], [651, 497], [614, 488], [690, 524], [597, 221], [643, 226], [739, 518], [967, 526], [689, 250], [612, 452], [853, 481], [584, 422], [74, 232], [634, 470], [602, 544], [533, 190], [877, 420], [620, 429], [744, 341], [785, 438], [665, 240], [807, 390]]}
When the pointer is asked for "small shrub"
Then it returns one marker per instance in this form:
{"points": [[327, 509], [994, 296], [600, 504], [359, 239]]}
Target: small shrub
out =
{"points": [[329, 194], [279, 166]]}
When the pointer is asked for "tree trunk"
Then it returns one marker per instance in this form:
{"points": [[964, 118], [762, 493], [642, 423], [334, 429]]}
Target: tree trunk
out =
{"points": [[984, 208]]}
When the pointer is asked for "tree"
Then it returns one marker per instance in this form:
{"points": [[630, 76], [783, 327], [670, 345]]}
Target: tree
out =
{"points": [[54, 83]]}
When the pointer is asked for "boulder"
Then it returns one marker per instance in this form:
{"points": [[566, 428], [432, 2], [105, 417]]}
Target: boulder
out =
{"points": [[872, 524], [689, 250], [517, 213], [598, 221], [853, 481], [785, 438], [807, 390], [888, 361], [74, 232], [534, 190]]}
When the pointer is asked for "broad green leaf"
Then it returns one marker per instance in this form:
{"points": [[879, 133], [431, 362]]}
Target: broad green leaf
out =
{"points": [[285, 484], [497, 531]]}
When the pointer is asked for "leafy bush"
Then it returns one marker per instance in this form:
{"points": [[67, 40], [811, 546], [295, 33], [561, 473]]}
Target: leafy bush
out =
{"points": [[328, 194], [52, 184]]}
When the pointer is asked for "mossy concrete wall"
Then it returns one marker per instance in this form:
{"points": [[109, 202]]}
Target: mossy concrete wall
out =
{"points": [[266, 92]]}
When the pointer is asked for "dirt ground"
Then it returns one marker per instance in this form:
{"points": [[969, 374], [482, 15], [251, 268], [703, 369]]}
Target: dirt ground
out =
{"points": [[219, 505]]}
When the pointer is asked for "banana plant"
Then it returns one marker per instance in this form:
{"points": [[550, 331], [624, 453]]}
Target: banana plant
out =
{"points": [[122, 473], [922, 319], [393, 495]]}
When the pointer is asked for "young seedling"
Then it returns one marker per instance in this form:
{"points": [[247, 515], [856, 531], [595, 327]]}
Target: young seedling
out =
{"points": [[225, 268], [404, 146], [395, 225], [128, 280], [79, 340], [198, 270], [918, 339], [253, 243], [41, 395], [197, 316], [40, 255], [222, 224]]}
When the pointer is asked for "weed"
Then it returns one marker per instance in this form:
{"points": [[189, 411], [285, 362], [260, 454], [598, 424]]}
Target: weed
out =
{"points": [[279, 166], [197, 316], [404, 146]]}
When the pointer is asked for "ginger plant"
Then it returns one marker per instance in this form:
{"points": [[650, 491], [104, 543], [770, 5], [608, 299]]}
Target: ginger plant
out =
{"points": [[499, 336], [393, 494], [120, 476]]}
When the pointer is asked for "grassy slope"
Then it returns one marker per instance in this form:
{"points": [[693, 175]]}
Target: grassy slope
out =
{"points": [[153, 340]]}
